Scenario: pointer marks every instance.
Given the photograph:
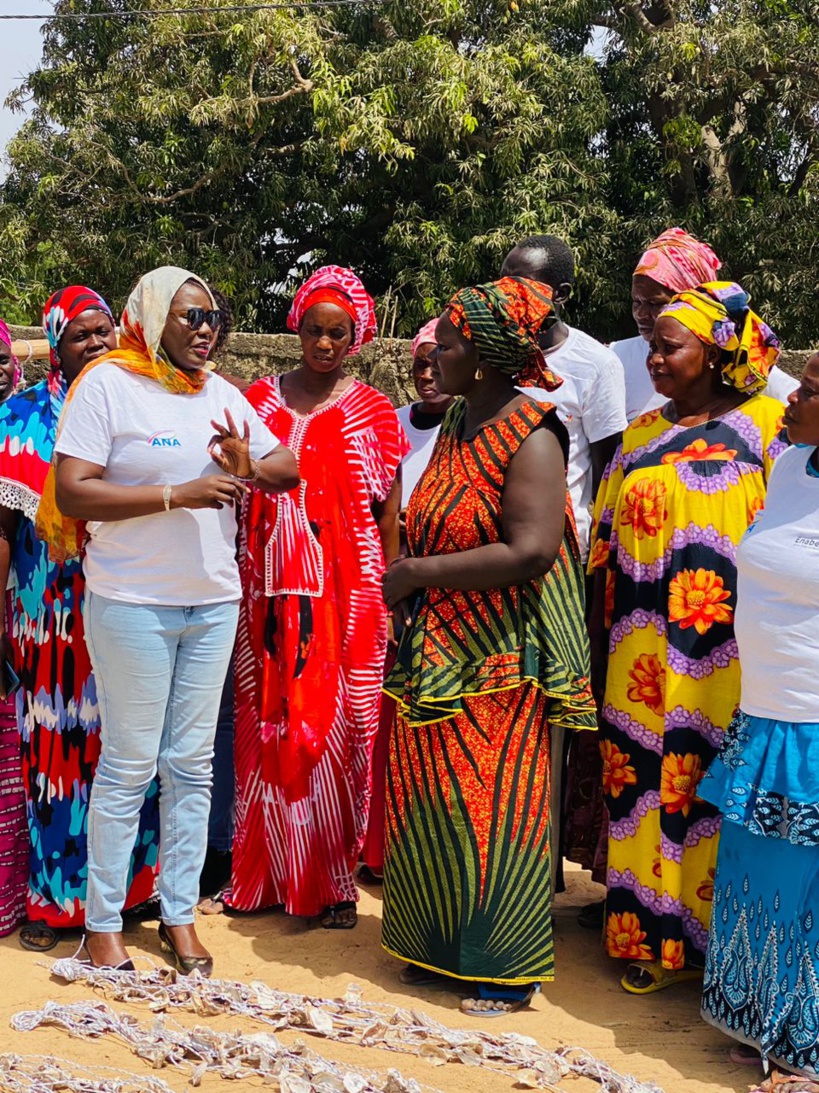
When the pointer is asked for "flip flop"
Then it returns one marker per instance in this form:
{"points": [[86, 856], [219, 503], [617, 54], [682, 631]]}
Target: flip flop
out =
{"points": [[31, 933], [660, 978], [499, 1000], [330, 920]]}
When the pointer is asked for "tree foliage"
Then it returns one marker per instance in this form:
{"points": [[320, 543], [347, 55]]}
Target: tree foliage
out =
{"points": [[416, 141]]}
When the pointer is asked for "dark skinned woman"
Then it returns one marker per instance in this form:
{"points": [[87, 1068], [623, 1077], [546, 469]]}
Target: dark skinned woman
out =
{"points": [[677, 498], [153, 454], [13, 828], [495, 652], [57, 705], [673, 262], [761, 984], [313, 629]]}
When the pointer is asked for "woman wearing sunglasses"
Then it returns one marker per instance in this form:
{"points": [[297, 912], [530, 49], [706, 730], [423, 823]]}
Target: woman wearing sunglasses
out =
{"points": [[154, 453]]}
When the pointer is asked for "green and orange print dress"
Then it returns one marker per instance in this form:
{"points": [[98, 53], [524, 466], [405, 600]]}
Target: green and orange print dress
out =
{"points": [[670, 513], [480, 677]]}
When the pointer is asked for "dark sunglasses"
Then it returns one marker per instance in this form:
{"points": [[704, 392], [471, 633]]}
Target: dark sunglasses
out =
{"points": [[196, 316]]}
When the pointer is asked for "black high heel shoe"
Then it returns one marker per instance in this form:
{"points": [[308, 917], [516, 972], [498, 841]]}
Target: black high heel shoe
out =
{"points": [[184, 964]]}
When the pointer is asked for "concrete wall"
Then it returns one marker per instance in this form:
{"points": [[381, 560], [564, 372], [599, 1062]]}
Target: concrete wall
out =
{"points": [[386, 364]]}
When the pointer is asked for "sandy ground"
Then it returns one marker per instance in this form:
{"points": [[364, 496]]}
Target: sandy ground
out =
{"points": [[659, 1037]]}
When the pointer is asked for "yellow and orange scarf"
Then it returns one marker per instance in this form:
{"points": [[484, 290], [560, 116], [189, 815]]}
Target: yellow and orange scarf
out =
{"points": [[141, 327]]}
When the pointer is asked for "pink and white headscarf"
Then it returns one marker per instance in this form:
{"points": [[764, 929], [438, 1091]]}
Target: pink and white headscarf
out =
{"points": [[678, 261], [425, 336], [339, 286]]}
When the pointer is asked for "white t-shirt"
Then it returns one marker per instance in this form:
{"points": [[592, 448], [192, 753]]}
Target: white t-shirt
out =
{"points": [[777, 615], [641, 396], [591, 404], [144, 435], [413, 465]]}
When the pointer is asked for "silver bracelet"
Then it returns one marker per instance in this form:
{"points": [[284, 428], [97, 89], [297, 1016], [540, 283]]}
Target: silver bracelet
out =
{"points": [[254, 472], [166, 497]]}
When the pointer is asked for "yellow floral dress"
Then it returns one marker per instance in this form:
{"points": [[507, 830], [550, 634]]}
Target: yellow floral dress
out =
{"points": [[670, 512]]}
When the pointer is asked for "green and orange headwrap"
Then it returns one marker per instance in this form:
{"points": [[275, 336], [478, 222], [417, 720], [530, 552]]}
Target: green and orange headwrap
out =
{"points": [[718, 314], [503, 320]]}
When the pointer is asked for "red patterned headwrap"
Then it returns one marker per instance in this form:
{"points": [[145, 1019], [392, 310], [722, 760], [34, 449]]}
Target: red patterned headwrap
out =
{"points": [[339, 286], [503, 319]]}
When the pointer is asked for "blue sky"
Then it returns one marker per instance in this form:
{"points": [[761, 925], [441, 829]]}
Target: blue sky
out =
{"points": [[20, 49]]}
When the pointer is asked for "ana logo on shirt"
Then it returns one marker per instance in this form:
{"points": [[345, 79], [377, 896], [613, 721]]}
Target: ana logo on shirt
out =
{"points": [[165, 438]]}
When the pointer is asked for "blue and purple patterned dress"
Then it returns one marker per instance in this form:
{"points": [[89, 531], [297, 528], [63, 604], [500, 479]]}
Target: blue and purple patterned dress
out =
{"points": [[57, 709]]}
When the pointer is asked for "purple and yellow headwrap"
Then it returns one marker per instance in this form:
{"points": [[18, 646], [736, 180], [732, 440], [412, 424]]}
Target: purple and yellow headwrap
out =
{"points": [[6, 338], [503, 320], [718, 314]]}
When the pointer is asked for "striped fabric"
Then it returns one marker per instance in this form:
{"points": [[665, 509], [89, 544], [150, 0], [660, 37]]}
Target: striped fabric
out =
{"points": [[310, 653], [14, 849], [480, 678]]}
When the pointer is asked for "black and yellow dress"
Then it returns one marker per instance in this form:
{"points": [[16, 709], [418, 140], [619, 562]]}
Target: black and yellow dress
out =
{"points": [[479, 679]]}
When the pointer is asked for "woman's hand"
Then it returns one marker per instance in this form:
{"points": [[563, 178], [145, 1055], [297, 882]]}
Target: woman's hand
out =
{"points": [[214, 491], [399, 582], [229, 450]]}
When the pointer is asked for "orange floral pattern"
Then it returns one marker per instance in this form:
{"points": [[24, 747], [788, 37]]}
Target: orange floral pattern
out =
{"points": [[647, 676], [657, 864], [681, 774], [599, 554], [624, 937], [698, 450], [673, 954], [616, 772], [697, 598], [673, 670], [644, 507], [705, 891]]}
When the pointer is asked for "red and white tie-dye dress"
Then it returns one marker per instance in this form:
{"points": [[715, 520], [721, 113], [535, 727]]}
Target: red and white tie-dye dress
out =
{"points": [[310, 653]]}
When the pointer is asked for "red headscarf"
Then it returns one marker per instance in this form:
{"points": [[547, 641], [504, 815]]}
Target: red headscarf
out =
{"points": [[339, 286]]}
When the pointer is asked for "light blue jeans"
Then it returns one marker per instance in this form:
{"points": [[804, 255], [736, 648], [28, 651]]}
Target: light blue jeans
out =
{"points": [[159, 674]]}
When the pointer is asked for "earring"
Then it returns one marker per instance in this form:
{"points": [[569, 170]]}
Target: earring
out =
{"points": [[711, 366], [478, 374]]}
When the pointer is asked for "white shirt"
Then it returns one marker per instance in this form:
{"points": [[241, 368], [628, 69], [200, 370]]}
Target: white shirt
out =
{"points": [[777, 615], [413, 465], [591, 404], [145, 435], [641, 396]]}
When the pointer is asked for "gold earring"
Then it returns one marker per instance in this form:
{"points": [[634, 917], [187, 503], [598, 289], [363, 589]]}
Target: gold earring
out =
{"points": [[478, 374]]}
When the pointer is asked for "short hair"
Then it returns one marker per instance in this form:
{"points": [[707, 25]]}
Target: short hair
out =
{"points": [[555, 262]]}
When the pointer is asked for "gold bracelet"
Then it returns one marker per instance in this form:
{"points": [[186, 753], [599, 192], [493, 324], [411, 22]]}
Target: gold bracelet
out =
{"points": [[166, 497]]}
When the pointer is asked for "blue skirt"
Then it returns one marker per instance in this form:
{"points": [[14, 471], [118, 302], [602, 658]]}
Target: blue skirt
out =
{"points": [[761, 983]]}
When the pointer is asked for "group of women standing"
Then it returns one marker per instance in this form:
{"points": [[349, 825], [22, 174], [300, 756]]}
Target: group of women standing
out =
{"points": [[125, 479]]}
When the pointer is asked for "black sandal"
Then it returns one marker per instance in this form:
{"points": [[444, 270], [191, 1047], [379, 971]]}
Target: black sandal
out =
{"points": [[331, 919], [32, 934]]}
